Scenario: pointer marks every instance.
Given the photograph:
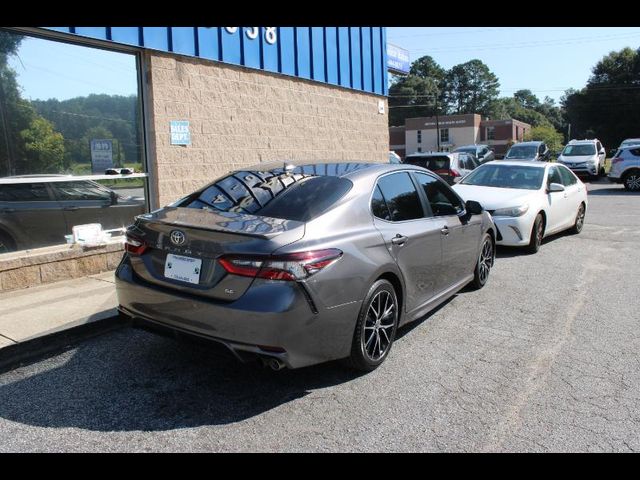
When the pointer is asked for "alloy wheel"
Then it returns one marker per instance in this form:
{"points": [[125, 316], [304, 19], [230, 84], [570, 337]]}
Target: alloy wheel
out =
{"points": [[580, 219], [486, 261], [378, 326], [633, 182], [539, 233]]}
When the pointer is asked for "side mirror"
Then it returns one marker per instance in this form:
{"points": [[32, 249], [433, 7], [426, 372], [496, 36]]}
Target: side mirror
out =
{"points": [[555, 187], [473, 207], [602, 151]]}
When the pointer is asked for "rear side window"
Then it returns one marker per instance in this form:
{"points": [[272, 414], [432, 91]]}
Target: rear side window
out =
{"points": [[430, 163], [635, 152], [401, 197], [379, 206], [24, 192]]}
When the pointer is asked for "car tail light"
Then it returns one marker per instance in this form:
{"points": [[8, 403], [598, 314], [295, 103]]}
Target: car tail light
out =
{"points": [[616, 160], [135, 245], [288, 267], [446, 171]]}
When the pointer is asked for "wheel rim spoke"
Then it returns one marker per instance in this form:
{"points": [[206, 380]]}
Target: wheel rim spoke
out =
{"points": [[376, 338]]}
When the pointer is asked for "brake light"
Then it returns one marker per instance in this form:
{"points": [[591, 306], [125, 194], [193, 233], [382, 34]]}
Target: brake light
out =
{"points": [[287, 267], [135, 245], [454, 173]]}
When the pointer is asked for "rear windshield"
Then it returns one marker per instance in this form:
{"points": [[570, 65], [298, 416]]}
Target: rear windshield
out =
{"points": [[298, 196], [524, 151], [430, 163]]}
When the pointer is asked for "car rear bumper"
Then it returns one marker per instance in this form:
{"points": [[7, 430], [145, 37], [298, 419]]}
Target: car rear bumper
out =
{"points": [[273, 319]]}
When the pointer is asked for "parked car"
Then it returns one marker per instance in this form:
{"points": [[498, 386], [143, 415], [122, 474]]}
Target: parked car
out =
{"points": [[625, 167], [483, 153], [584, 157], [629, 142], [39, 210], [450, 166], [527, 200], [532, 151], [394, 158], [303, 264]]}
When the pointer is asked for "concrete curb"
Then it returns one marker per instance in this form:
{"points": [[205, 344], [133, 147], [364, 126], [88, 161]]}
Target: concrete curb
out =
{"points": [[30, 351]]}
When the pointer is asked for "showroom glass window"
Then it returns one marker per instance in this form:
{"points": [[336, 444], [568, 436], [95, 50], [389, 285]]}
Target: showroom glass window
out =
{"points": [[70, 135]]}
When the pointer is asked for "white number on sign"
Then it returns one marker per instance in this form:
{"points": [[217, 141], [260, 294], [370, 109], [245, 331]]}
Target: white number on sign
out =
{"points": [[270, 33]]}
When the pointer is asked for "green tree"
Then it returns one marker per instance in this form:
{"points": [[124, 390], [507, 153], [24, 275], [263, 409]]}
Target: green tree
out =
{"points": [[470, 88], [44, 147], [608, 107], [417, 94], [547, 134], [527, 99]]}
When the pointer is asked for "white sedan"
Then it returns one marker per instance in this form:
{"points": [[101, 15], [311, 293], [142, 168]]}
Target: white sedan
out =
{"points": [[528, 200]]}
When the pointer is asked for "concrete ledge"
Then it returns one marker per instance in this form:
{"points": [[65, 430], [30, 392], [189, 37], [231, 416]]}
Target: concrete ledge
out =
{"points": [[35, 349], [38, 266]]}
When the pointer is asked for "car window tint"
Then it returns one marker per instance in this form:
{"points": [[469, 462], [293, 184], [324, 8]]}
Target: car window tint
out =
{"points": [[307, 199], [80, 191], [379, 206], [554, 176], [635, 152], [568, 178], [433, 163], [442, 199], [24, 192], [401, 197]]}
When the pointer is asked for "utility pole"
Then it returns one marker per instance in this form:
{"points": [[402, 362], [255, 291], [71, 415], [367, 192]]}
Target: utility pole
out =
{"points": [[569, 134], [437, 125]]}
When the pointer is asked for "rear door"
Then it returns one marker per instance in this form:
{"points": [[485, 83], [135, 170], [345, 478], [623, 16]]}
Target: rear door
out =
{"points": [[412, 236], [30, 215], [460, 236]]}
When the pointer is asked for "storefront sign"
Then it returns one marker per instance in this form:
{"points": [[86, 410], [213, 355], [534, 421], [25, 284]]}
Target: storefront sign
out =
{"points": [[351, 57], [180, 134], [397, 60], [101, 155]]}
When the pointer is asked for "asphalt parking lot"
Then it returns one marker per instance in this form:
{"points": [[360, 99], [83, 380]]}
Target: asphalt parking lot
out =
{"points": [[544, 358]]}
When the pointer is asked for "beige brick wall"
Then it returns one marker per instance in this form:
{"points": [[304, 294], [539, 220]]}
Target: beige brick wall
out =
{"points": [[239, 117]]}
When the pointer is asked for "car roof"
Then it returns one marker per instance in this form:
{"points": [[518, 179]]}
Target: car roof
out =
{"points": [[527, 144], [525, 163], [575, 142], [432, 154], [337, 169]]}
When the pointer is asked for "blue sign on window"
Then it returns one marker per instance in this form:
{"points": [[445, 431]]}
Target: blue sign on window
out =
{"points": [[180, 134], [397, 59]]}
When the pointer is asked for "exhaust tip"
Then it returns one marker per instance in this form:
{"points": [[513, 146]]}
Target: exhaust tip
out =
{"points": [[273, 363]]}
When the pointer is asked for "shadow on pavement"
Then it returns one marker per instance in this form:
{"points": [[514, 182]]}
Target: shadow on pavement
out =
{"points": [[132, 380], [618, 191]]}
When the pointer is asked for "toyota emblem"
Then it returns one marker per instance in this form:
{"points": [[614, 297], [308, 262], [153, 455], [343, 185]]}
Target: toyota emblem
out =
{"points": [[177, 237]]}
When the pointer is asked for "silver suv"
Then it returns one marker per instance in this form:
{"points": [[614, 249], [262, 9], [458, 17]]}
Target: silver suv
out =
{"points": [[584, 157], [625, 167]]}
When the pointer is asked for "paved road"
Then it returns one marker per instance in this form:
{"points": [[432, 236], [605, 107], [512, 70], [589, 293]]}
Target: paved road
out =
{"points": [[545, 357]]}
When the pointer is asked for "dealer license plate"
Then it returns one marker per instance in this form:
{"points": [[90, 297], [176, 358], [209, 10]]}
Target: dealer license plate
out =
{"points": [[183, 268]]}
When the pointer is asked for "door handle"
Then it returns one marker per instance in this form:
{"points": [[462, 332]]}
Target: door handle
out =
{"points": [[445, 230], [399, 240], [70, 209]]}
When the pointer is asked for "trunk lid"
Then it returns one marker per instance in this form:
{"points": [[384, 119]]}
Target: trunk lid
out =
{"points": [[201, 236]]}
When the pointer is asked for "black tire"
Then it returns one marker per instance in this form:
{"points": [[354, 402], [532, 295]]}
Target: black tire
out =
{"points": [[6, 243], [372, 334], [485, 261], [537, 233], [579, 223], [632, 181]]}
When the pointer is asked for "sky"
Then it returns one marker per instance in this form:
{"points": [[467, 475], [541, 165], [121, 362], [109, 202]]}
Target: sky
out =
{"points": [[48, 69], [545, 60]]}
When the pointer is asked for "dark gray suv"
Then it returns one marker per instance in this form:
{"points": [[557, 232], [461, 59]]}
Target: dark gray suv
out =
{"points": [[298, 265]]}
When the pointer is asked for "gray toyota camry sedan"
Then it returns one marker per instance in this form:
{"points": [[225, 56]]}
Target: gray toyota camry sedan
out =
{"points": [[297, 264]]}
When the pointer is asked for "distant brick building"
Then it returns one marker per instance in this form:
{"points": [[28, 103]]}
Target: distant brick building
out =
{"points": [[448, 132]]}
